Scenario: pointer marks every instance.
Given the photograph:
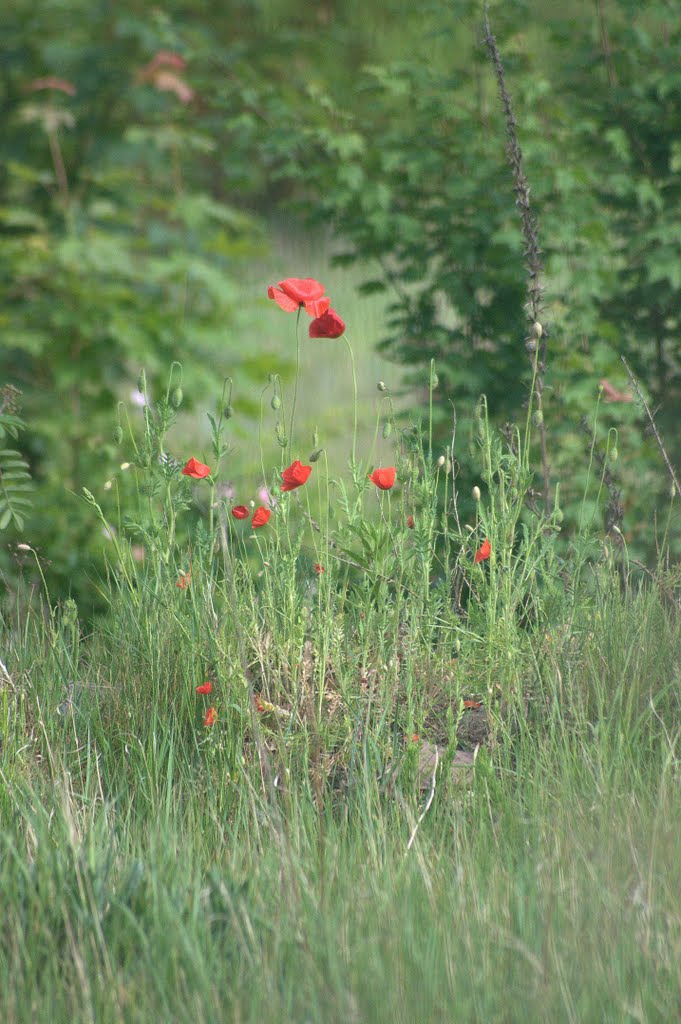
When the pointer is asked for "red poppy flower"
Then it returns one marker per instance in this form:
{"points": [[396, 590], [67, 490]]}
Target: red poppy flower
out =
{"points": [[295, 475], [483, 552], [383, 478], [259, 706], [184, 580], [211, 717], [196, 469], [52, 82], [328, 325], [472, 704], [319, 569], [295, 292], [611, 394], [240, 512], [410, 522], [205, 688], [260, 517]]}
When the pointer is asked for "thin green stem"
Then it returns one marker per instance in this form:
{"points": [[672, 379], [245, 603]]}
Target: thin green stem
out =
{"points": [[295, 383], [354, 394]]}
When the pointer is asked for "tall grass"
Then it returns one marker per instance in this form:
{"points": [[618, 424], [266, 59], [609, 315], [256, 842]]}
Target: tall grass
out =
{"points": [[326, 850]]}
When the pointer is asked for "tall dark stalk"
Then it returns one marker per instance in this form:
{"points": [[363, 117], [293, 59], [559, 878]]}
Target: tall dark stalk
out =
{"points": [[536, 341]]}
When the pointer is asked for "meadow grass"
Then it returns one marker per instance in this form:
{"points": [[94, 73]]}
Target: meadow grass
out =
{"points": [[326, 850]]}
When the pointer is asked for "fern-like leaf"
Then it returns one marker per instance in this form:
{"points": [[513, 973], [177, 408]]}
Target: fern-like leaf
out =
{"points": [[15, 484]]}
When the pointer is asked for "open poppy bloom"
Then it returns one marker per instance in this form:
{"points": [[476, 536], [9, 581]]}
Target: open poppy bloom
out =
{"points": [[611, 394], [260, 517], [383, 478], [295, 475], [211, 717], [240, 512], [319, 569], [295, 292], [410, 522], [328, 325], [196, 469], [483, 552], [472, 705], [205, 688]]}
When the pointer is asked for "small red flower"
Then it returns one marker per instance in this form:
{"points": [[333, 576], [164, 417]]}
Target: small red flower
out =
{"points": [[483, 552], [383, 478], [319, 569], [295, 292], [295, 475], [410, 522], [205, 688], [472, 704], [611, 394], [260, 517], [240, 512], [52, 82], [184, 580], [259, 706], [414, 737], [328, 325], [211, 717], [196, 469]]}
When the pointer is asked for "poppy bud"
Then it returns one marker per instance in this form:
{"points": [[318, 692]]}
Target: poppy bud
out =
{"points": [[228, 412], [434, 380], [276, 402], [176, 397], [381, 386], [457, 648], [537, 329], [441, 461], [314, 456], [613, 454], [280, 433], [387, 429], [538, 418], [118, 435], [476, 494]]}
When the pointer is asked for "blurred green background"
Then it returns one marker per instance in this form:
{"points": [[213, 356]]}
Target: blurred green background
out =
{"points": [[161, 165]]}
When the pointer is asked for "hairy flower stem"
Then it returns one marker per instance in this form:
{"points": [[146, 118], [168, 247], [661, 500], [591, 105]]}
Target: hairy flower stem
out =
{"points": [[536, 342], [295, 383], [354, 393], [653, 427]]}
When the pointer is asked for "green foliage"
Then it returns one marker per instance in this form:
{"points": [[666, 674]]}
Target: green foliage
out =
{"points": [[115, 251], [409, 170], [15, 479]]}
